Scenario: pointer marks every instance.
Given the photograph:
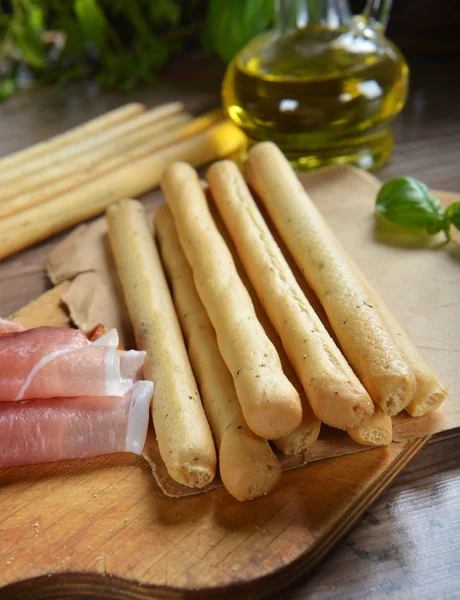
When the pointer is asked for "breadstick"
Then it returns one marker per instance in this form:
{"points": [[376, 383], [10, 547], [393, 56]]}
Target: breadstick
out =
{"points": [[72, 135], [83, 166], [430, 393], [306, 434], [366, 432], [247, 465], [364, 339], [378, 431], [182, 431], [370, 432], [270, 403], [92, 198], [334, 392], [107, 136], [177, 133]]}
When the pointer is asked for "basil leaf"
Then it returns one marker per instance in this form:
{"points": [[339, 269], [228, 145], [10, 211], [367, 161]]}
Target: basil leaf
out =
{"points": [[453, 214], [230, 24], [409, 203], [91, 20], [35, 17], [28, 40]]}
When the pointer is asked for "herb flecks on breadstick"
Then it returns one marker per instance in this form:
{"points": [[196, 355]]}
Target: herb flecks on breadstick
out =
{"points": [[336, 395], [182, 430], [363, 337], [247, 465], [270, 403]]}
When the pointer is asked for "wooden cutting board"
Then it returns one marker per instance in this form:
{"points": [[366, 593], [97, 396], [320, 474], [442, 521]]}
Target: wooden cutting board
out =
{"points": [[101, 528]]}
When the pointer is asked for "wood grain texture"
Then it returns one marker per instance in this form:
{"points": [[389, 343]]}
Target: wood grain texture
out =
{"points": [[412, 552], [271, 532], [407, 544]]}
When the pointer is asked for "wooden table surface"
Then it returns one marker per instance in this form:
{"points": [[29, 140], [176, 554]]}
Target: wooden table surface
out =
{"points": [[408, 543]]}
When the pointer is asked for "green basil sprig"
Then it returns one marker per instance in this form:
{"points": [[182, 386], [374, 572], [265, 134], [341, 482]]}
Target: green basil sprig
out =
{"points": [[408, 202]]}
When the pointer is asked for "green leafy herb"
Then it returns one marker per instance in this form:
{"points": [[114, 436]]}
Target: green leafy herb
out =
{"points": [[26, 27], [408, 202], [165, 11], [92, 21], [120, 43], [453, 215], [231, 24], [7, 87]]}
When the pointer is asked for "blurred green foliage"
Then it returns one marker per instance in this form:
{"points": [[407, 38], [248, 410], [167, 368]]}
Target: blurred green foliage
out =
{"points": [[120, 43]]}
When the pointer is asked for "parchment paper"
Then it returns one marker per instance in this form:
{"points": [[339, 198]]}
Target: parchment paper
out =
{"points": [[419, 277], [94, 295]]}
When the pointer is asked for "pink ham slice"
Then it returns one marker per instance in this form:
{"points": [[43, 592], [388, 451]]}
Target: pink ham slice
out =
{"points": [[49, 362], [10, 326], [53, 429]]}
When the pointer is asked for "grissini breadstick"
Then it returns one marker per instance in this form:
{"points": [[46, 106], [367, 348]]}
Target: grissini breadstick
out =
{"points": [[247, 465], [106, 136], [92, 198], [306, 434], [364, 339], [378, 431], [183, 433], [270, 403], [430, 392], [72, 135], [335, 394], [46, 192], [86, 164]]}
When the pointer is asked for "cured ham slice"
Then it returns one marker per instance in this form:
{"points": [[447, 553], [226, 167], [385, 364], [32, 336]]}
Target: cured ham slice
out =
{"points": [[46, 430], [49, 362], [10, 326]]}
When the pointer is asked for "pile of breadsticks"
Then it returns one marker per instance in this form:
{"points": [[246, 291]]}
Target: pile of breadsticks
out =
{"points": [[240, 349], [74, 176]]}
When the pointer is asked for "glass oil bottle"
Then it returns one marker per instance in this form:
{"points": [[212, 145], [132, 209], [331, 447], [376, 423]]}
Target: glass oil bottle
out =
{"points": [[323, 84]]}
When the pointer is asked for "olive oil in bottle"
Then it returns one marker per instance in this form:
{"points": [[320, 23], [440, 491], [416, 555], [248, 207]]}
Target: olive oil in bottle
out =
{"points": [[323, 85]]}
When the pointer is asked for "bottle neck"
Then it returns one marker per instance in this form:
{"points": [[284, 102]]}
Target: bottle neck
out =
{"points": [[377, 12], [297, 14]]}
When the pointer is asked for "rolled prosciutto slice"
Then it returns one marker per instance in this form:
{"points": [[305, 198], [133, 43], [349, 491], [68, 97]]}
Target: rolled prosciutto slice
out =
{"points": [[46, 430], [10, 326], [49, 362]]}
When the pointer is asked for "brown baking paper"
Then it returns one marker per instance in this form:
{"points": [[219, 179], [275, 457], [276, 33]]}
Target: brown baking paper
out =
{"points": [[418, 276], [94, 295]]}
